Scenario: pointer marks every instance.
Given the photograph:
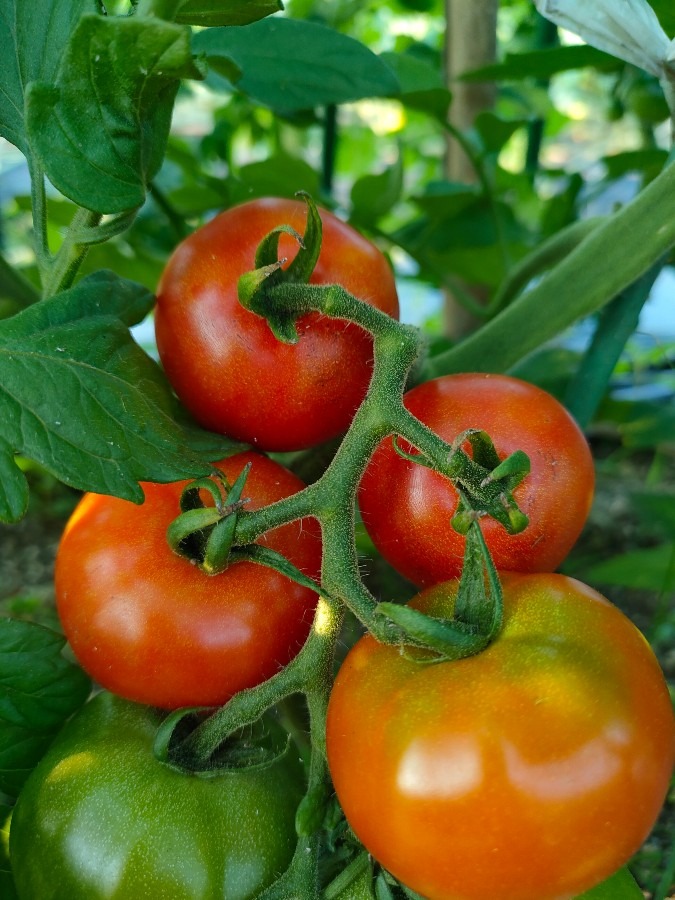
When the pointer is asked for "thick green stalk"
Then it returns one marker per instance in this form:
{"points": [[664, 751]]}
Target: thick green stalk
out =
{"points": [[66, 263], [613, 256]]}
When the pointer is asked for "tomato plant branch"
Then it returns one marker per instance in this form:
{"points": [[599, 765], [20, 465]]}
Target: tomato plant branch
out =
{"points": [[65, 263], [39, 207], [331, 501]]}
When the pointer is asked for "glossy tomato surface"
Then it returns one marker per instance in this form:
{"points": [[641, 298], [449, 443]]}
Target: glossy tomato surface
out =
{"points": [[149, 625], [531, 771], [101, 819], [407, 508], [224, 362]]}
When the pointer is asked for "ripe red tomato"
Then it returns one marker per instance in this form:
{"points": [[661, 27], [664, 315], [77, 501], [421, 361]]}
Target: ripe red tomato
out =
{"points": [[407, 508], [224, 362], [150, 626], [531, 771]]}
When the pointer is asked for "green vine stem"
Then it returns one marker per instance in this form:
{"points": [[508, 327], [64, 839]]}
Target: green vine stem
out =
{"points": [[331, 501], [484, 483], [65, 264]]}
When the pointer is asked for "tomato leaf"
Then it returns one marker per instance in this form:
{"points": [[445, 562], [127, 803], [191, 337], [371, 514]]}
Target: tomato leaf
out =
{"points": [[225, 12], [80, 397], [100, 128], [32, 36], [421, 83], [543, 64], [39, 690], [291, 65], [617, 323], [621, 886]]}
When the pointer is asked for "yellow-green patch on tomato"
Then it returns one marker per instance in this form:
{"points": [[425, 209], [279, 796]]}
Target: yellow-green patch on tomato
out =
{"points": [[530, 771]]}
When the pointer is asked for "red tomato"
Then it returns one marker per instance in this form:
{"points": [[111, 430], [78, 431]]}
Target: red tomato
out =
{"points": [[150, 626], [224, 362], [531, 771], [407, 508]]}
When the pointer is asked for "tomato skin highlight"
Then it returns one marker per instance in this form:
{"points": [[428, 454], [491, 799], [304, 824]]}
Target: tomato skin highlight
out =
{"points": [[101, 819], [224, 362], [407, 508], [531, 771], [150, 626]]}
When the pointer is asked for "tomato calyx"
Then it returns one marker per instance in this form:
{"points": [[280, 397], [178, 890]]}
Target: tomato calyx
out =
{"points": [[478, 612], [257, 745], [206, 535], [484, 482], [254, 286]]}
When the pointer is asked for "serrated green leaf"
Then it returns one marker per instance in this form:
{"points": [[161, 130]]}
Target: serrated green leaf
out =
{"points": [[421, 84], [279, 176], [32, 36], [494, 131], [640, 423], [100, 129], [373, 196], [649, 161], [291, 65], [621, 886], [650, 569], [80, 397], [226, 12], [543, 64], [39, 690]]}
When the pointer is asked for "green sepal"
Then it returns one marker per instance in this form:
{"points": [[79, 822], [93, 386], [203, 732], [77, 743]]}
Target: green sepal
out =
{"points": [[190, 499], [479, 604], [304, 263], [251, 292], [266, 557], [165, 733], [253, 288], [484, 452], [267, 252], [189, 522], [450, 639], [511, 470]]}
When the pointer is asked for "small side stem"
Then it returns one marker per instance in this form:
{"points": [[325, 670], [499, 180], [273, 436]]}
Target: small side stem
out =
{"points": [[64, 266], [39, 204], [247, 706]]}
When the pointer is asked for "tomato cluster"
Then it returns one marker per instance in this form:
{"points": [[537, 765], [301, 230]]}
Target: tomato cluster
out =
{"points": [[529, 771], [224, 362]]}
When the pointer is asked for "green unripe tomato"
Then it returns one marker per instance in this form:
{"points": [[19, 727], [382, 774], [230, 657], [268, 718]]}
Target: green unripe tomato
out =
{"points": [[101, 817]]}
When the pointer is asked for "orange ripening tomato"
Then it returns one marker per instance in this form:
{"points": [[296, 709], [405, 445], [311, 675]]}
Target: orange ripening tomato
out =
{"points": [[407, 507], [150, 626], [224, 362], [530, 771]]}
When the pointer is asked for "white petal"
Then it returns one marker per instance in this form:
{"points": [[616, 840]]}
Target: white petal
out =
{"points": [[628, 29]]}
